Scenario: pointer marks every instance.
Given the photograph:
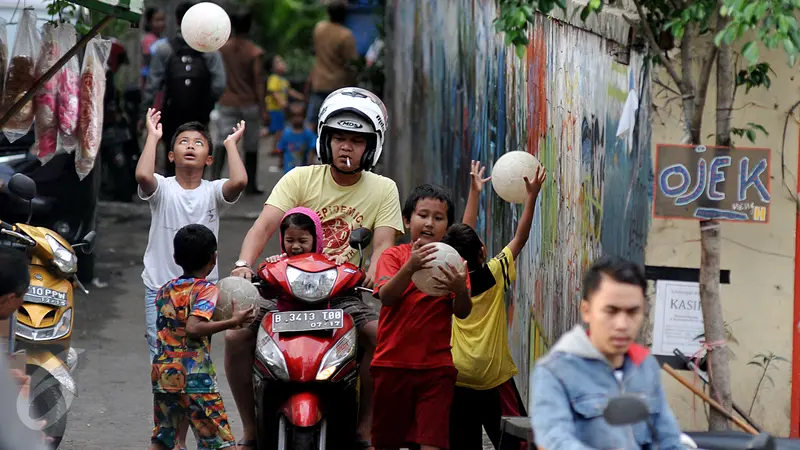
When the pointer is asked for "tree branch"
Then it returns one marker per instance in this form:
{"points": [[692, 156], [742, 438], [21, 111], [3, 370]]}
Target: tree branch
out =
{"points": [[654, 43], [663, 85]]}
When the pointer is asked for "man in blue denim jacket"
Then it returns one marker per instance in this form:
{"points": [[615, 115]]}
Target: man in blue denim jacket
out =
{"points": [[574, 381]]}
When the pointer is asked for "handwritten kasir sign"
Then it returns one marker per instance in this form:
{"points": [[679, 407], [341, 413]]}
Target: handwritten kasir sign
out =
{"points": [[704, 183]]}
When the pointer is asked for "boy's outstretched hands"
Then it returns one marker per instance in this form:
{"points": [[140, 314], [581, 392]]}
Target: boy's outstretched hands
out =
{"points": [[421, 256], [535, 186], [153, 126], [241, 317], [238, 131], [476, 173]]}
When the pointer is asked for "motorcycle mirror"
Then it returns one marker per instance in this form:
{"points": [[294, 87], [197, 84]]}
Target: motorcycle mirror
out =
{"points": [[626, 409], [86, 246], [22, 186], [763, 441], [360, 238]]}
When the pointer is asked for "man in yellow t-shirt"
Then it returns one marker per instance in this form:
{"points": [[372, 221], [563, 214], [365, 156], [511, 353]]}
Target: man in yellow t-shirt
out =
{"points": [[485, 388], [347, 196]]}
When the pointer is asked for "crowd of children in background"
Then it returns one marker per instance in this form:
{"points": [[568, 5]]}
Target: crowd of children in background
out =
{"points": [[293, 141]]}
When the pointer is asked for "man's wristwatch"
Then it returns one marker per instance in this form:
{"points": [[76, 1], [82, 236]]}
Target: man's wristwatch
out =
{"points": [[241, 263]]}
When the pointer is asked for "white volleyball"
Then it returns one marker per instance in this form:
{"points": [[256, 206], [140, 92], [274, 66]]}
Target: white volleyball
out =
{"points": [[234, 288], [508, 175], [206, 27], [423, 279]]}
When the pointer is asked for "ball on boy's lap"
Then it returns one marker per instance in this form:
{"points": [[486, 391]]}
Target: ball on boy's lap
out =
{"points": [[423, 279], [234, 288], [508, 175], [206, 27]]}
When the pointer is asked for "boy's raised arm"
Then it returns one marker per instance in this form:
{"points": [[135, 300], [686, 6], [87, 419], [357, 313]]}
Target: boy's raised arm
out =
{"points": [[524, 226], [146, 167], [197, 327], [237, 180], [475, 188]]}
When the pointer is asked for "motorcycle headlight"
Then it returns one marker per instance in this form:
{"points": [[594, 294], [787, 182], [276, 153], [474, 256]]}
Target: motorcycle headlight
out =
{"points": [[271, 355], [311, 286], [64, 259], [64, 325], [344, 350], [46, 334]]}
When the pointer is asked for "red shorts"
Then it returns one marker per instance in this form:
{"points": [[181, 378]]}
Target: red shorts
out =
{"points": [[412, 406]]}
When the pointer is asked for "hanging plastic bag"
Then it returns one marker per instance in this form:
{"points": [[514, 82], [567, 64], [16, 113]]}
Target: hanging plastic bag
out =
{"points": [[90, 105], [20, 76], [44, 102], [67, 102]]}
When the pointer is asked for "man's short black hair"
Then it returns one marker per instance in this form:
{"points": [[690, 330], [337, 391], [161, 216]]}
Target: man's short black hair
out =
{"points": [[466, 242], [193, 126], [195, 246], [241, 22], [337, 12], [617, 269], [14, 274], [181, 9], [428, 191]]}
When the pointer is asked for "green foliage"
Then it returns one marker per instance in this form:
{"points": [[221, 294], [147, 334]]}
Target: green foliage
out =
{"points": [[764, 361], [65, 11], [772, 23], [749, 131], [285, 26]]}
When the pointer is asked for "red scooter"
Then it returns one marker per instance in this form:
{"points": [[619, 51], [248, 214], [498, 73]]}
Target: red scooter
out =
{"points": [[306, 363]]}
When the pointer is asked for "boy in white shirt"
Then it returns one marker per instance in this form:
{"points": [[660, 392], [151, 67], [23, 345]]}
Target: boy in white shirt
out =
{"points": [[182, 200]]}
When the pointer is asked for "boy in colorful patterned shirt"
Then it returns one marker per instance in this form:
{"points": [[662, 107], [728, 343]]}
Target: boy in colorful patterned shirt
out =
{"points": [[485, 389], [183, 375]]}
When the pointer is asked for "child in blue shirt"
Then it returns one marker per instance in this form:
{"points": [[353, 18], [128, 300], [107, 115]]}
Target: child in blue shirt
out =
{"points": [[297, 143]]}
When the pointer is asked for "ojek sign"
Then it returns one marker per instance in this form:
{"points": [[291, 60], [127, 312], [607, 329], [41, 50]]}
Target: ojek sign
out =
{"points": [[704, 183]]}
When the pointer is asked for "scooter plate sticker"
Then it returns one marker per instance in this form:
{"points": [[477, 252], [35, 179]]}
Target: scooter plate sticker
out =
{"points": [[296, 321], [45, 296]]}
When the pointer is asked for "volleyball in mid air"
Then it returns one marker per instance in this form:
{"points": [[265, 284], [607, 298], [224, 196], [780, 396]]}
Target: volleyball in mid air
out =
{"points": [[508, 175], [206, 27]]}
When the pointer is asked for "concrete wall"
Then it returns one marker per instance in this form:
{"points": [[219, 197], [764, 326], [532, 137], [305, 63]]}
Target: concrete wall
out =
{"points": [[759, 302], [458, 93]]}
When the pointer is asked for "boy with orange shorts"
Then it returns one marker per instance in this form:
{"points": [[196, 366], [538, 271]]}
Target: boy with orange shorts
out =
{"points": [[413, 367]]}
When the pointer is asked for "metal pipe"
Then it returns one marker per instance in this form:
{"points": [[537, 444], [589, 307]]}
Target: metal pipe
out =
{"points": [[39, 82]]}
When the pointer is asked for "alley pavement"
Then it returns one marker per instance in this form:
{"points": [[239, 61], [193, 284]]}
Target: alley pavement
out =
{"points": [[113, 409]]}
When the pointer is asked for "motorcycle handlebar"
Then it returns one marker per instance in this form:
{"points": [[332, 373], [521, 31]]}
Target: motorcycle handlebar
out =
{"points": [[6, 226]]}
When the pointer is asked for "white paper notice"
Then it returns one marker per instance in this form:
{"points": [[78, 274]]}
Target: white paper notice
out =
{"points": [[678, 318]]}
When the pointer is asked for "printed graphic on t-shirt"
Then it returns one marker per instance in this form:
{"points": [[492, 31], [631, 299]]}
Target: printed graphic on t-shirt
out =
{"points": [[337, 223]]}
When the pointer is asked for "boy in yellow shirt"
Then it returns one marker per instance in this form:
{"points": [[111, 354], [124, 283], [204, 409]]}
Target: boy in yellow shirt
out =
{"points": [[485, 388], [278, 92]]}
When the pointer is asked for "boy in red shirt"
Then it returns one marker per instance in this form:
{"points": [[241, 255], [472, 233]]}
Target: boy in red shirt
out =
{"points": [[413, 367]]}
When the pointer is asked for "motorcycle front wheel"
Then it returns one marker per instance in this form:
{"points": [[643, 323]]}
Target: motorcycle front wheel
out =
{"points": [[305, 438], [48, 404]]}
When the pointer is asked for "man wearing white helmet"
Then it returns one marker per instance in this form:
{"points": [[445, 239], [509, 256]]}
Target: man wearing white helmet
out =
{"points": [[347, 195]]}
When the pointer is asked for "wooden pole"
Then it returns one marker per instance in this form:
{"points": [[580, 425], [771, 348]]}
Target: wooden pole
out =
{"points": [[739, 422], [39, 82]]}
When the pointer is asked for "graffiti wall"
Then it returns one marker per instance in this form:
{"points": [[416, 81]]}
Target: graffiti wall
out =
{"points": [[457, 93]]}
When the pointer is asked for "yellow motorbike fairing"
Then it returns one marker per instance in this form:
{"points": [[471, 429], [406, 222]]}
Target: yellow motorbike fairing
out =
{"points": [[36, 315], [54, 366]]}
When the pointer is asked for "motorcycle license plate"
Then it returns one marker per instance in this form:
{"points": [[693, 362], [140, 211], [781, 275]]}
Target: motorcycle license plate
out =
{"points": [[45, 296], [293, 321]]}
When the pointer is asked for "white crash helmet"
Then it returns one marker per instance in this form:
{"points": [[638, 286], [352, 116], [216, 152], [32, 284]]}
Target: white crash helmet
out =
{"points": [[355, 110]]}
